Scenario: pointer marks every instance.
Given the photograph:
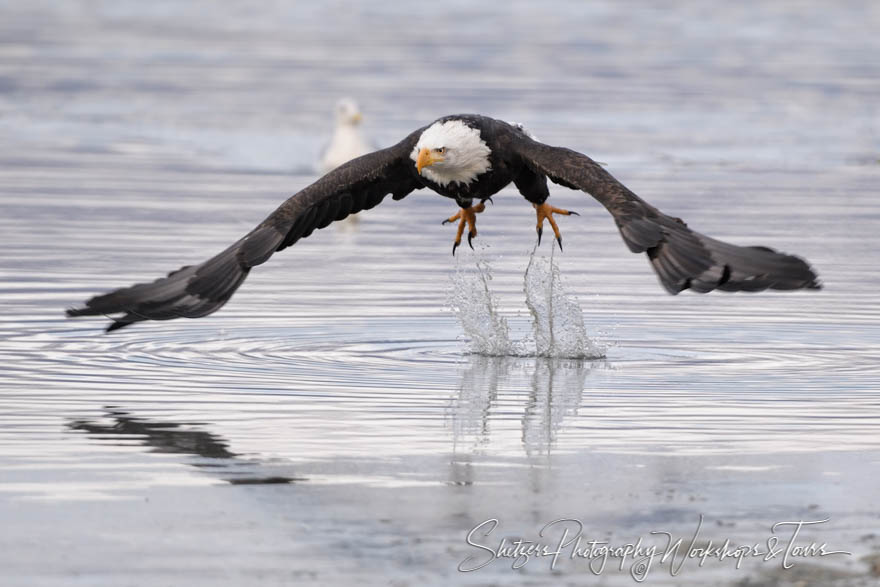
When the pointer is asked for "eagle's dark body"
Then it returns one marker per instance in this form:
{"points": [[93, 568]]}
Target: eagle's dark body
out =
{"points": [[682, 258]]}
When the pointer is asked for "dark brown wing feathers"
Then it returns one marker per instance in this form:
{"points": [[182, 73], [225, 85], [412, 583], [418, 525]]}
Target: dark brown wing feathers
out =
{"points": [[682, 258], [195, 291]]}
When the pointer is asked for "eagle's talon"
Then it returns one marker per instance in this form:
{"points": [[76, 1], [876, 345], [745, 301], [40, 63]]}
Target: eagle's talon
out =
{"points": [[540, 230], [467, 218], [545, 212], [452, 218]]}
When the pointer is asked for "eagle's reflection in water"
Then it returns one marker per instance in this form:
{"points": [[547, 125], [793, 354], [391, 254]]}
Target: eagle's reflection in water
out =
{"points": [[530, 397], [179, 438]]}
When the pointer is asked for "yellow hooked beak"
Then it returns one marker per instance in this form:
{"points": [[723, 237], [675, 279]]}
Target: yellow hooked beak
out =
{"points": [[427, 157], [356, 118]]}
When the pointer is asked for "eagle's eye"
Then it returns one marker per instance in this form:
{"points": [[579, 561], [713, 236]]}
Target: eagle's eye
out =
{"points": [[440, 150]]}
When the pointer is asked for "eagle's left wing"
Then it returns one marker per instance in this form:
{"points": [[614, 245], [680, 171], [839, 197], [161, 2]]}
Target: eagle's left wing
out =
{"points": [[682, 258]]}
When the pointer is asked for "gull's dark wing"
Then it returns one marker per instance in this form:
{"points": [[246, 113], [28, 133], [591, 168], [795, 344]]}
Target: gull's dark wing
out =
{"points": [[682, 258], [198, 290]]}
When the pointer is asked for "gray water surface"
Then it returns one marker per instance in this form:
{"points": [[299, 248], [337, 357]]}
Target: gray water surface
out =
{"points": [[328, 426]]}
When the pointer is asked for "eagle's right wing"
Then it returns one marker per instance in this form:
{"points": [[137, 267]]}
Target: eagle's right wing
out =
{"points": [[198, 290]]}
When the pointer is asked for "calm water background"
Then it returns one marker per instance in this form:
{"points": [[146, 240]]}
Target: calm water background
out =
{"points": [[328, 426]]}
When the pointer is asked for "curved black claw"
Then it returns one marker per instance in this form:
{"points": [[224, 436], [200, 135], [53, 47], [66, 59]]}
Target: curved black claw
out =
{"points": [[573, 213], [489, 199], [445, 222], [559, 240], [470, 240], [540, 232], [454, 246]]}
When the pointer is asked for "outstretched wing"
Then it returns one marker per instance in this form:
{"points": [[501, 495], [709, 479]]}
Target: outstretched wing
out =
{"points": [[198, 290], [682, 258]]}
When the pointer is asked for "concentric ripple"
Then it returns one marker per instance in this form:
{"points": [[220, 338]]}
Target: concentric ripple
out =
{"points": [[379, 348]]}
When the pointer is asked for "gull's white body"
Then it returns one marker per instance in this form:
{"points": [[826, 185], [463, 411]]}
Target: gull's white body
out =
{"points": [[348, 142]]}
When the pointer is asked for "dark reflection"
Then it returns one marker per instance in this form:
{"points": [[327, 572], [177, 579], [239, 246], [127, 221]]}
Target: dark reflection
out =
{"points": [[488, 393], [462, 473], [261, 480], [165, 437], [178, 438]]}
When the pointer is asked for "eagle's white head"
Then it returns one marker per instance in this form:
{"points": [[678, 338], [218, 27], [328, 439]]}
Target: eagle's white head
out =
{"points": [[451, 152]]}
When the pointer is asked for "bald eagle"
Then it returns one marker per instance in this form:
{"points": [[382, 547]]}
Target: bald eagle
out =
{"points": [[467, 158]]}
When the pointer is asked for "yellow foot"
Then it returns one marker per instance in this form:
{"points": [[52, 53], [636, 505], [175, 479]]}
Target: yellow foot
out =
{"points": [[546, 211], [466, 216]]}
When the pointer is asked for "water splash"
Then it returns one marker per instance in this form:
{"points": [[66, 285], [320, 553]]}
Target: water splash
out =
{"points": [[477, 310], [557, 319]]}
